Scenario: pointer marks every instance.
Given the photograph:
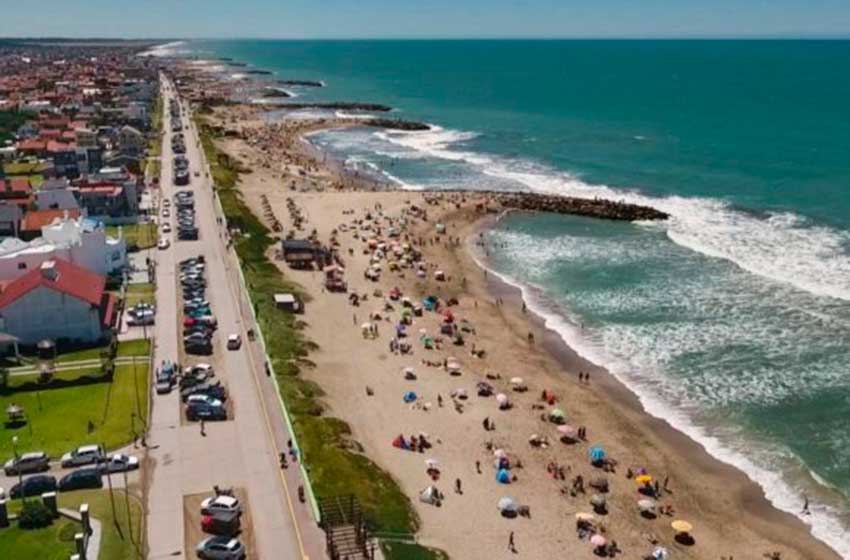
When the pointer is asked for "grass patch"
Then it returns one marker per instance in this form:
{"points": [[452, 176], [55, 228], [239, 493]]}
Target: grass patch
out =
{"points": [[121, 538], [325, 444], [10, 122], [140, 293], [411, 551], [24, 168], [140, 347], [49, 543], [60, 418], [138, 236]]}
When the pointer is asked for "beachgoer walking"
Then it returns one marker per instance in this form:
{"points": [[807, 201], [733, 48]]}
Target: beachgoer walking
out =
{"points": [[458, 489], [203, 428], [806, 505], [511, 543], [478, 467]]}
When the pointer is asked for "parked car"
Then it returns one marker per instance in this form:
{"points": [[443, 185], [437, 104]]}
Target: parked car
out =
{"points": [[166, 228], [222, 523], [81, 478], [214, 391], [198, 347], [83, 455], [34, 461], [205, 320], [119, 463], [234, 342], [201, 398], [221, 502], [163, 243], [165, 378], [220, 548], [203, 411], [34, 486]]}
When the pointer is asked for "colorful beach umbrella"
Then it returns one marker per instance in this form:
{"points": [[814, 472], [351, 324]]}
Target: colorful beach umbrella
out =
{"points": [[643, 479], [598, 540], [646, 505], [567, 430], [507, 505], [596, 453], [682, 526]]}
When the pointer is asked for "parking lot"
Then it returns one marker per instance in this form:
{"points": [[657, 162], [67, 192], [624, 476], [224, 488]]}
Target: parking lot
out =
{"points": [[194, 533]]}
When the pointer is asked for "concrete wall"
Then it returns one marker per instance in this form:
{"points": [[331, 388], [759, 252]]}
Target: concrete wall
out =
{"points": [[45, 313]]}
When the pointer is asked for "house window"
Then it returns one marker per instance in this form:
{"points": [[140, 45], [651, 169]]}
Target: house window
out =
{"points": [[22, 266]]}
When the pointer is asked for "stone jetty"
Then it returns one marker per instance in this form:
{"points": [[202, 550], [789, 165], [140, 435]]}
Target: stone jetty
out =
{"points": [[336, 105], [589, 207], [396, 124], [304, 83]]}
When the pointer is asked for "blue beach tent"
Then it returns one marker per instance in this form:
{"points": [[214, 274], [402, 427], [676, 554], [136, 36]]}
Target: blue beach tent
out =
{"points": [[409, 397], [503, 476], [597, 454]]}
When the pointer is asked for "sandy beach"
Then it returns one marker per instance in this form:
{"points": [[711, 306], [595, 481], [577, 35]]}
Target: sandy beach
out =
{"points": [[365, 382]]}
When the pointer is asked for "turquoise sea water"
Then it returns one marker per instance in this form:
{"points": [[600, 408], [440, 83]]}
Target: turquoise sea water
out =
{"points": [[732, 320]]}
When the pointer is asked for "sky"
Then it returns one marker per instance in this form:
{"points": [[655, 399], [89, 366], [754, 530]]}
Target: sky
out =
{"points": [[424, 18]]}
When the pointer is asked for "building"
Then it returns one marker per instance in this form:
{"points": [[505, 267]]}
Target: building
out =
{"points": [[131, 141], [82, 242], [58, 301], [56, 194]]}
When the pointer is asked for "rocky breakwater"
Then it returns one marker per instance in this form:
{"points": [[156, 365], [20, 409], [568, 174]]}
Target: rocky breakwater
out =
{"points": [[336, 105], [589, 207], [395, 124], [303, 83]]}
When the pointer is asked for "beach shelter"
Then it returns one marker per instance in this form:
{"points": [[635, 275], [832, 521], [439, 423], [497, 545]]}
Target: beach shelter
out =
{"points": [[502, 400], [557, 416], [409, 397], [503, 476], [682, 526], [432, 463], [660, 553], [646, 506], [598, 501], [567, 431], [643, 479], [597, 454], [507, 506], [430, 303], [500, 454], [429, 495], [517, 381], [409, 373], [582, 516]]}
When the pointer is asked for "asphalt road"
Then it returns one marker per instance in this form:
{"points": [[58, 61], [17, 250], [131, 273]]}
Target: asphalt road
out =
{"points": [[241, 452]]}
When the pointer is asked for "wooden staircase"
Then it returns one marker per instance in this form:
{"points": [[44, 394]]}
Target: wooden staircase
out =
{"points": [[346, 535]]}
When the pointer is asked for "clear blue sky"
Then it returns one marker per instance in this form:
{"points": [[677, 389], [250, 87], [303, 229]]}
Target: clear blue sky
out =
{"points": [[424, 18]]}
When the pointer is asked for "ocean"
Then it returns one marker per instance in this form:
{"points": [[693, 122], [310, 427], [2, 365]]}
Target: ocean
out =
{"points": [[732, 319]]}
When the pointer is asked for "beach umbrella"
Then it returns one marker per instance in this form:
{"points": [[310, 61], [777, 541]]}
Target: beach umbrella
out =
{"points": [[507, 505], [501, 398], [432, 463], [516, 381], [596, 453], [566, 430], [646, 505], [598, 540], [499, 453], [660, 553], [681, 526], [643, 479], [409, 397], [503, 476], [409, 371], [597, 500], [582, 516]]}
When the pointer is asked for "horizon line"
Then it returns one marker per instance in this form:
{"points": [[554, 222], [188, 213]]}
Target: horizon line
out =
{"points": [[767, 37]]}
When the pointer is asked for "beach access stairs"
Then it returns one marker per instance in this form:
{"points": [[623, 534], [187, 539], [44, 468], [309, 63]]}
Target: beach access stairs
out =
{"points": [[346, 534]]}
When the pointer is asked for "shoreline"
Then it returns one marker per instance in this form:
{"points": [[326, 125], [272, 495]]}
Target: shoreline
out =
{"points": [[750, 495]]}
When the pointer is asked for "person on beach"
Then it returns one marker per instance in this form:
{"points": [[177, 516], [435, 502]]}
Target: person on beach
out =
{"points": [[458, 489], [478, 467], [511, 543], [806, 505]]}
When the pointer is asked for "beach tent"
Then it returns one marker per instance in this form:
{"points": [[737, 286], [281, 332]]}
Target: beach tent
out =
{"points": [[430, 303], [660, 553], [598, 501], [448, 316], [507, 505], [503, 476], [597, 454], [567, 431], [502, 400], [646, 506], [643, 479], [430, 495], [598, 540], [409, 397]]}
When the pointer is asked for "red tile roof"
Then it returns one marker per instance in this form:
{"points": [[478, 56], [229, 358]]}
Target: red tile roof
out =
{"points": [[18, 185], [34, 220], [69, 279], [32, 145]]}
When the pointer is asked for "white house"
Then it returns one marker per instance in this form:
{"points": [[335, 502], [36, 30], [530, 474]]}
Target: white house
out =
{"points": [[57, 300], [82, 242]]}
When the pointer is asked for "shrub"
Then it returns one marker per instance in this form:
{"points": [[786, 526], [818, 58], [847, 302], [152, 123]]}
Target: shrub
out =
{"points": [[34, 515]]}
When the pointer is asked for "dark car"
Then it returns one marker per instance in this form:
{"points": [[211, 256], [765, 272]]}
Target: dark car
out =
{"points": [[188, 234], [203, 411], [193, 260], [214, 390], [34, 486], [81, 478], [198, 348]]}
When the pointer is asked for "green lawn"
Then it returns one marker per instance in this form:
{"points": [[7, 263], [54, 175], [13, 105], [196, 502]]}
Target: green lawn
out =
{"points": [[51, 543], [59, 417], [411, 551], [138, 236], [140, 293], [23, 168], [140, 347], [118, 542]]}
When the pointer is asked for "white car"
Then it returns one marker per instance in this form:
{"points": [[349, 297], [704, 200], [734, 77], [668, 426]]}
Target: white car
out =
{"points": [[83, 455], [166, 213], [120, 463], [163, 244], [166, 228], [234, 342], [205, 399], [220, 503]]}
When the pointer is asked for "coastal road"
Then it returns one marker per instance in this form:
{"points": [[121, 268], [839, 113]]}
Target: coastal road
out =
{"points": [[241, 452]]}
